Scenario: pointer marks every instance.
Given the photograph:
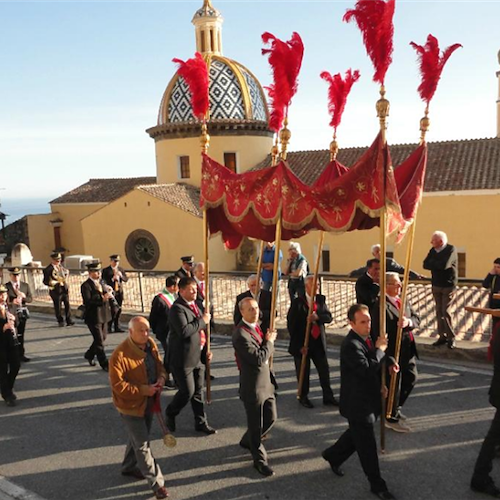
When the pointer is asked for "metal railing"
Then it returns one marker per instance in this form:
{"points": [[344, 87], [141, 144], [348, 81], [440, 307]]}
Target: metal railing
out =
{"points": [[142, 287]]}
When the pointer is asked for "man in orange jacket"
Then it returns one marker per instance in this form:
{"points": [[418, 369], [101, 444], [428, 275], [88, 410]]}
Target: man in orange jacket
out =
{"points": [[137, 375]]}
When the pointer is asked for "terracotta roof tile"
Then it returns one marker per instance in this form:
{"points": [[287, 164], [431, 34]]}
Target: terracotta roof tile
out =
{"points": [[102, 190], [183, 196], [452, 165]]}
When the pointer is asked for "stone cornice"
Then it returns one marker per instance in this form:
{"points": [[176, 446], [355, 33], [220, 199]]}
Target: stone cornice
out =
{"points": [[183, 130]]}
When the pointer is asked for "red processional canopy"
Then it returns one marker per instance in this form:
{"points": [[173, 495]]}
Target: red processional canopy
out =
{"points": [[250, 204]]}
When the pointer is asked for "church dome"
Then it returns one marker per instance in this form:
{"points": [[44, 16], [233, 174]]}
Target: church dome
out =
{"points": [[234, 93]]}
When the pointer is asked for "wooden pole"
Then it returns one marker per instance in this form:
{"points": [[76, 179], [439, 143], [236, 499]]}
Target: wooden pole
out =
{"points": [[382, 107], [274, 296], [207, 301], [259, 269], [399, 335], [311, 310]]}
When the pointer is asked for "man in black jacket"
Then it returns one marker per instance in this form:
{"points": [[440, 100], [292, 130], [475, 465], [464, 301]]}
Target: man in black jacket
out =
{"points": [[367, 285], [9, 351], [158, 319], [114, 276], [55, 276], [19, 295], [187, 353], [97, 314], [253, 348], [408, 374], [442, 262], [481, 479], [297, 323], [186, 269], [492, 283], [360, 399]]}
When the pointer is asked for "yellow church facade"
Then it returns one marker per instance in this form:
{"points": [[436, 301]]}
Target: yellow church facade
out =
{"points": [[152, 221]]}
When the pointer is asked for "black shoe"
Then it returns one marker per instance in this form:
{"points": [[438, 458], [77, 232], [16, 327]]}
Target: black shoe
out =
{"points": [[264, 469], [212, 377], [384, 495], [335, 468], [330, 402], [70, 323], [135, 473], [451, 344], [90, 361], [170, 422], [306, 403], [118, 329], [439, 341], [205, 428], [170, 385], [105, 366], [25, 359], [61, 323], [10, 401], [488, 488]]}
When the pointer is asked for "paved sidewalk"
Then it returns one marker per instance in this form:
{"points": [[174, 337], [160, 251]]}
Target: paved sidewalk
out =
{"points": [[65, 440]]}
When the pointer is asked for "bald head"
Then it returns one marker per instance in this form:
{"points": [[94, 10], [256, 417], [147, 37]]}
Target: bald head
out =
{"points": [[138, 328]]}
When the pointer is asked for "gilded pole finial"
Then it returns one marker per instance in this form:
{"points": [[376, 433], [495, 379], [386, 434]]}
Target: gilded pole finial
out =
{"points": [[285, 136], [383, 111], [424, 125], [334, 148], [204, 138], [275, 152]]}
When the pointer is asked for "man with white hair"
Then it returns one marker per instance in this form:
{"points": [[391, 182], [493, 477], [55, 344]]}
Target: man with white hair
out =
{"points": [[442, 262], [296, 269], [137, 375]]}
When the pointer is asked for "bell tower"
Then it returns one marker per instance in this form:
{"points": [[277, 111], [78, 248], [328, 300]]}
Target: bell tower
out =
{"points": [[208, 29]]}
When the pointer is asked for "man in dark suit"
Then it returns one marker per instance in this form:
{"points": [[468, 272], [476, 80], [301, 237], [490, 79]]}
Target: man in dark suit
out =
{"points": [[187, 352], [265, 298], [199, 277], [367, 285], [18, 295], [55, 276], [492, 283], [442, 261], [114, 276], [482, 481], [264, 301], [9, 351], [297, 323], [253, 349], [360, 399], [391, 266], [97, 314], [158, 319], [185, 271], [408, 374]]}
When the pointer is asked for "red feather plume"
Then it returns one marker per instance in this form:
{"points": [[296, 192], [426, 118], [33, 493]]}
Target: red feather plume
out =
{"points": [[285, 59], [374, 19], [431, 65], [195, 72], [337, 93]]}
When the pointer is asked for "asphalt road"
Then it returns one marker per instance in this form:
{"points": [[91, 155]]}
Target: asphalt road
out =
{"points": [[65, 440]]}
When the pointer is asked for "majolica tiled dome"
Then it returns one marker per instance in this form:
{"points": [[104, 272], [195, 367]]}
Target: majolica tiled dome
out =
{"points": [[235, 94]]}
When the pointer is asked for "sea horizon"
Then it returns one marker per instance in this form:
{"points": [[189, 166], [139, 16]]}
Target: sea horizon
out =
{"points": [[16, 208]]}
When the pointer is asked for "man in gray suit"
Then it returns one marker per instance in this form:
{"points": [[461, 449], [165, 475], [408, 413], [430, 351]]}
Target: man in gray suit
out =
{"points": [[253, 349]]}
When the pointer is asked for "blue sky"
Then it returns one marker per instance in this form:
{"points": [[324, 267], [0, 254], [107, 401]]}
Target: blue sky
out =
{"points": [[81, 81]]}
